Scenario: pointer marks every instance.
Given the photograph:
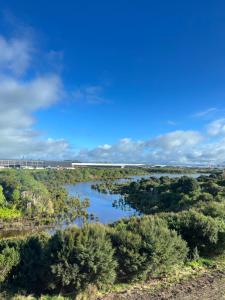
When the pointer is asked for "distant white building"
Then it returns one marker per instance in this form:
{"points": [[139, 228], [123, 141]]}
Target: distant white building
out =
{"points": [[107, 165]]}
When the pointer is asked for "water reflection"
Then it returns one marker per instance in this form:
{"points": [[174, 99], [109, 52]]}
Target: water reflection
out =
{"points": [[107, 207]]}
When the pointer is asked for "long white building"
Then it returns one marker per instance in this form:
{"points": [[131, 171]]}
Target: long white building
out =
{"points": [[39, 164], [107, 165]]}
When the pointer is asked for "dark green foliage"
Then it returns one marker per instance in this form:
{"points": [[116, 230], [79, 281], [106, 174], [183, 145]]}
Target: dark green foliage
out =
{"points": [[30, 273], [132, 262], [9, 259], [211, 188], [155, 195], [185, 185], [146, 246], [203, 232], [80, 257]]}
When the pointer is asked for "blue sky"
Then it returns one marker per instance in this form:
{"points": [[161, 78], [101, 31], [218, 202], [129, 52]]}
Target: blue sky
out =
{"points": [[137, 81]]}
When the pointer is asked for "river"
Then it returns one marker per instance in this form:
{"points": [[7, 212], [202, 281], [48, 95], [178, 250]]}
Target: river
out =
{"points": [[101, 204]]}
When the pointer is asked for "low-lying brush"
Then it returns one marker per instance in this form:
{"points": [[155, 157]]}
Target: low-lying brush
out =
{"points": [[97, 255]]}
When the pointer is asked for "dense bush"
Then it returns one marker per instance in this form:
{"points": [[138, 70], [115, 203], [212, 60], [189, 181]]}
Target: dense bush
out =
{"points": [[80, 257], [146, 246], [30, 272], [205, 233], [131, 249], [213, 209], [9, 258], [164, 194], [185, 185], [73, 259], [67, 262], [132, 261]]}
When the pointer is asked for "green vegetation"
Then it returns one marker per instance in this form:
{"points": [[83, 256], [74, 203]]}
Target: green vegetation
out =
{"points": [[146, 246], [205, 194], [202, 233], [84, 174], [80, 257], [195, 208], [73, 259], [40, 193], [9, 213], [182, 225]]}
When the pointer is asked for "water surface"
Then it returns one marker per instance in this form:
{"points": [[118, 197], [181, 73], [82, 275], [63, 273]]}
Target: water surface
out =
{"points": [[101, 204]]}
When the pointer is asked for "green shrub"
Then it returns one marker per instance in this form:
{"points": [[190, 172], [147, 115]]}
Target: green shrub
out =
{"points": [[80, 257], [213, 209], [185, 185], [204, 232], [146, 246], [132, 261], [9, 213], [30, 273], [9, 258]]}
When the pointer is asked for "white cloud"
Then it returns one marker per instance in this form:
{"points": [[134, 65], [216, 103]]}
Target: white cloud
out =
{"points": [[15, 55], [216, 127], [168, 147], [20, 98], [176, 139], [29, 95], [176, 147]]}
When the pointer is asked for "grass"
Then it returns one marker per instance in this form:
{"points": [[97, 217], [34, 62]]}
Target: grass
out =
{"points": [[191, 269]]}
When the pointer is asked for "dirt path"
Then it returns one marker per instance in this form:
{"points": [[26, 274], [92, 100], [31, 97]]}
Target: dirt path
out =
{"points": [[210, 286]]}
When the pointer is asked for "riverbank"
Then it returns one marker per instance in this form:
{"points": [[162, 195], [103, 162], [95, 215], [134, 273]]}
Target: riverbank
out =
{"points": [[23, 227]]}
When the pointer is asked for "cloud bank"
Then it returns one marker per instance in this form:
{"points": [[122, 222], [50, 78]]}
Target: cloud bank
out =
{"points": [[176, 147], [20, 96], [22, 93]]}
